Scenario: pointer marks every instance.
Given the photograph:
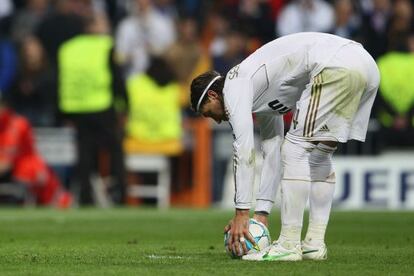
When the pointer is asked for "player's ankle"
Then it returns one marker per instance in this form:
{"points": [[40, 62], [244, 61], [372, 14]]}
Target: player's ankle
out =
{"points": [[309, 241], [289, 244], [290, 236], [315, 233], [291, 233]]}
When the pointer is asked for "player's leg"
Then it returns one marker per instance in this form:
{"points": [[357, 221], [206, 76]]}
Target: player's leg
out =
{"points": [[349, 115], [350, 123], [316, 120], [327, 120], [295, 189], [296, 181], [320, 199]]}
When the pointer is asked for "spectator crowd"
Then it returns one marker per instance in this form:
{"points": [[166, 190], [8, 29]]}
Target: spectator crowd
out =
{"points": [[136, 58]]}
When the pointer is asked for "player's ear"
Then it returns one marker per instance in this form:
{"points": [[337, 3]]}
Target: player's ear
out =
{"points": [[212, 94]]}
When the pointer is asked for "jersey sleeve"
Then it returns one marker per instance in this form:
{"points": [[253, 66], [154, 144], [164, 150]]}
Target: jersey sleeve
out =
{"points": [[238, 101], [271, 133]]}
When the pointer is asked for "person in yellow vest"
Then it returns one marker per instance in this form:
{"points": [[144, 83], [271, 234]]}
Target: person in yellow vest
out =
{"points": [[395, 106], [89, 85], [154, 104]]}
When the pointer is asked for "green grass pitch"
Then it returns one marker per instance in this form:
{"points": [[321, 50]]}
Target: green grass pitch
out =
{"points": [[188, 242]]}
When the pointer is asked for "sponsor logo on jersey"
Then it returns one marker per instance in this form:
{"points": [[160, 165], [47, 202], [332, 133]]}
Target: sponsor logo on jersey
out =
{"points": [[324, 128]]}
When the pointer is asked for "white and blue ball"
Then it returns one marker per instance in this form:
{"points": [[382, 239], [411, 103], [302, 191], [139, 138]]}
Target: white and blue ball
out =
{"points": [[260, 234]]}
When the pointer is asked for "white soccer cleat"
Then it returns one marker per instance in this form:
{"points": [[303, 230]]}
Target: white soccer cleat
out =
{"points": [[284, 251], [317, 253], [257, 256]]}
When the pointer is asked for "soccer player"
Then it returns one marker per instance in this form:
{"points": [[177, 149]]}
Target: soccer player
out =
{"points": [[330, 83]]}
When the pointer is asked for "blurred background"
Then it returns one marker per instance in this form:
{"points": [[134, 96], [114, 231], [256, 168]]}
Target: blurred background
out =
{"points": [[94, 105]]}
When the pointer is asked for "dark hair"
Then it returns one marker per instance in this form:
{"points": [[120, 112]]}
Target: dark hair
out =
{"points": [[160, 71], [200, 83]]}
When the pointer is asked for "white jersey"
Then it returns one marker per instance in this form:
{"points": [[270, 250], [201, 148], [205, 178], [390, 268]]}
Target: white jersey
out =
{"points": [[267, 83]]}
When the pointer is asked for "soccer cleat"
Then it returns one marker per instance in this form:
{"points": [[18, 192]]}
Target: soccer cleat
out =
{"points": [[284, 251], [318, 253], [257, 256]]}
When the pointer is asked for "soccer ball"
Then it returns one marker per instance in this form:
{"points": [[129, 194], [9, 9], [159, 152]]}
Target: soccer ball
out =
{"points": [[260, 234]]}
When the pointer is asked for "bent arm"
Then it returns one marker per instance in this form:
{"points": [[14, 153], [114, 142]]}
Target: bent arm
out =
{"points": [[243, 161], [271, 132], [238, 101]]}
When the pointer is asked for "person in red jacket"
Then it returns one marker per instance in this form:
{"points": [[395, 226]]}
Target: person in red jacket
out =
{"points": [[20, 163]]}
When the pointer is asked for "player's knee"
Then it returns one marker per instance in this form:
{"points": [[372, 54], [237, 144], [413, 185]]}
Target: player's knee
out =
{"points": [[295, 158], [320, 161]]}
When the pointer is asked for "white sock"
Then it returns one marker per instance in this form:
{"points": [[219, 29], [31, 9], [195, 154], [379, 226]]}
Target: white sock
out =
{"points": [[320, 199], [321, 195], [295, 194], [295, 188], [316, 234]]}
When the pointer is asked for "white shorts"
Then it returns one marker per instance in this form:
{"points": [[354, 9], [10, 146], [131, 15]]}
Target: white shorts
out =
{"points": [[336, 104]]}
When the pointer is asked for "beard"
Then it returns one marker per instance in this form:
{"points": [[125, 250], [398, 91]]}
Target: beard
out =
{"points": [[225, 112]]}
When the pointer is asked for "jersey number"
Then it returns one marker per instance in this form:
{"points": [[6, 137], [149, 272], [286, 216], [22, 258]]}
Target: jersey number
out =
{"points": [[279, 107]]}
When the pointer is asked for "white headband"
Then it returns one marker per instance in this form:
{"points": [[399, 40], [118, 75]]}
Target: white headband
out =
{"points": [[205, 91]]}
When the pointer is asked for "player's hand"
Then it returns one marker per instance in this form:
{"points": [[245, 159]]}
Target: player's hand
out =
{"points": [[239, 232], [263, 218]]}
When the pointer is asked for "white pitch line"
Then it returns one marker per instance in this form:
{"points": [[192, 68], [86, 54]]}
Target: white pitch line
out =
{"points": [[166, 257]]}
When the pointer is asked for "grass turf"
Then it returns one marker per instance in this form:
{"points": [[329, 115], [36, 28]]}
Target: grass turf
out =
{"points": [[188, 242]]}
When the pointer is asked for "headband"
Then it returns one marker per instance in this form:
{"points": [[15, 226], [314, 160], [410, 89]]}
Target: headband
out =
{"points": [[205, 91]]}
